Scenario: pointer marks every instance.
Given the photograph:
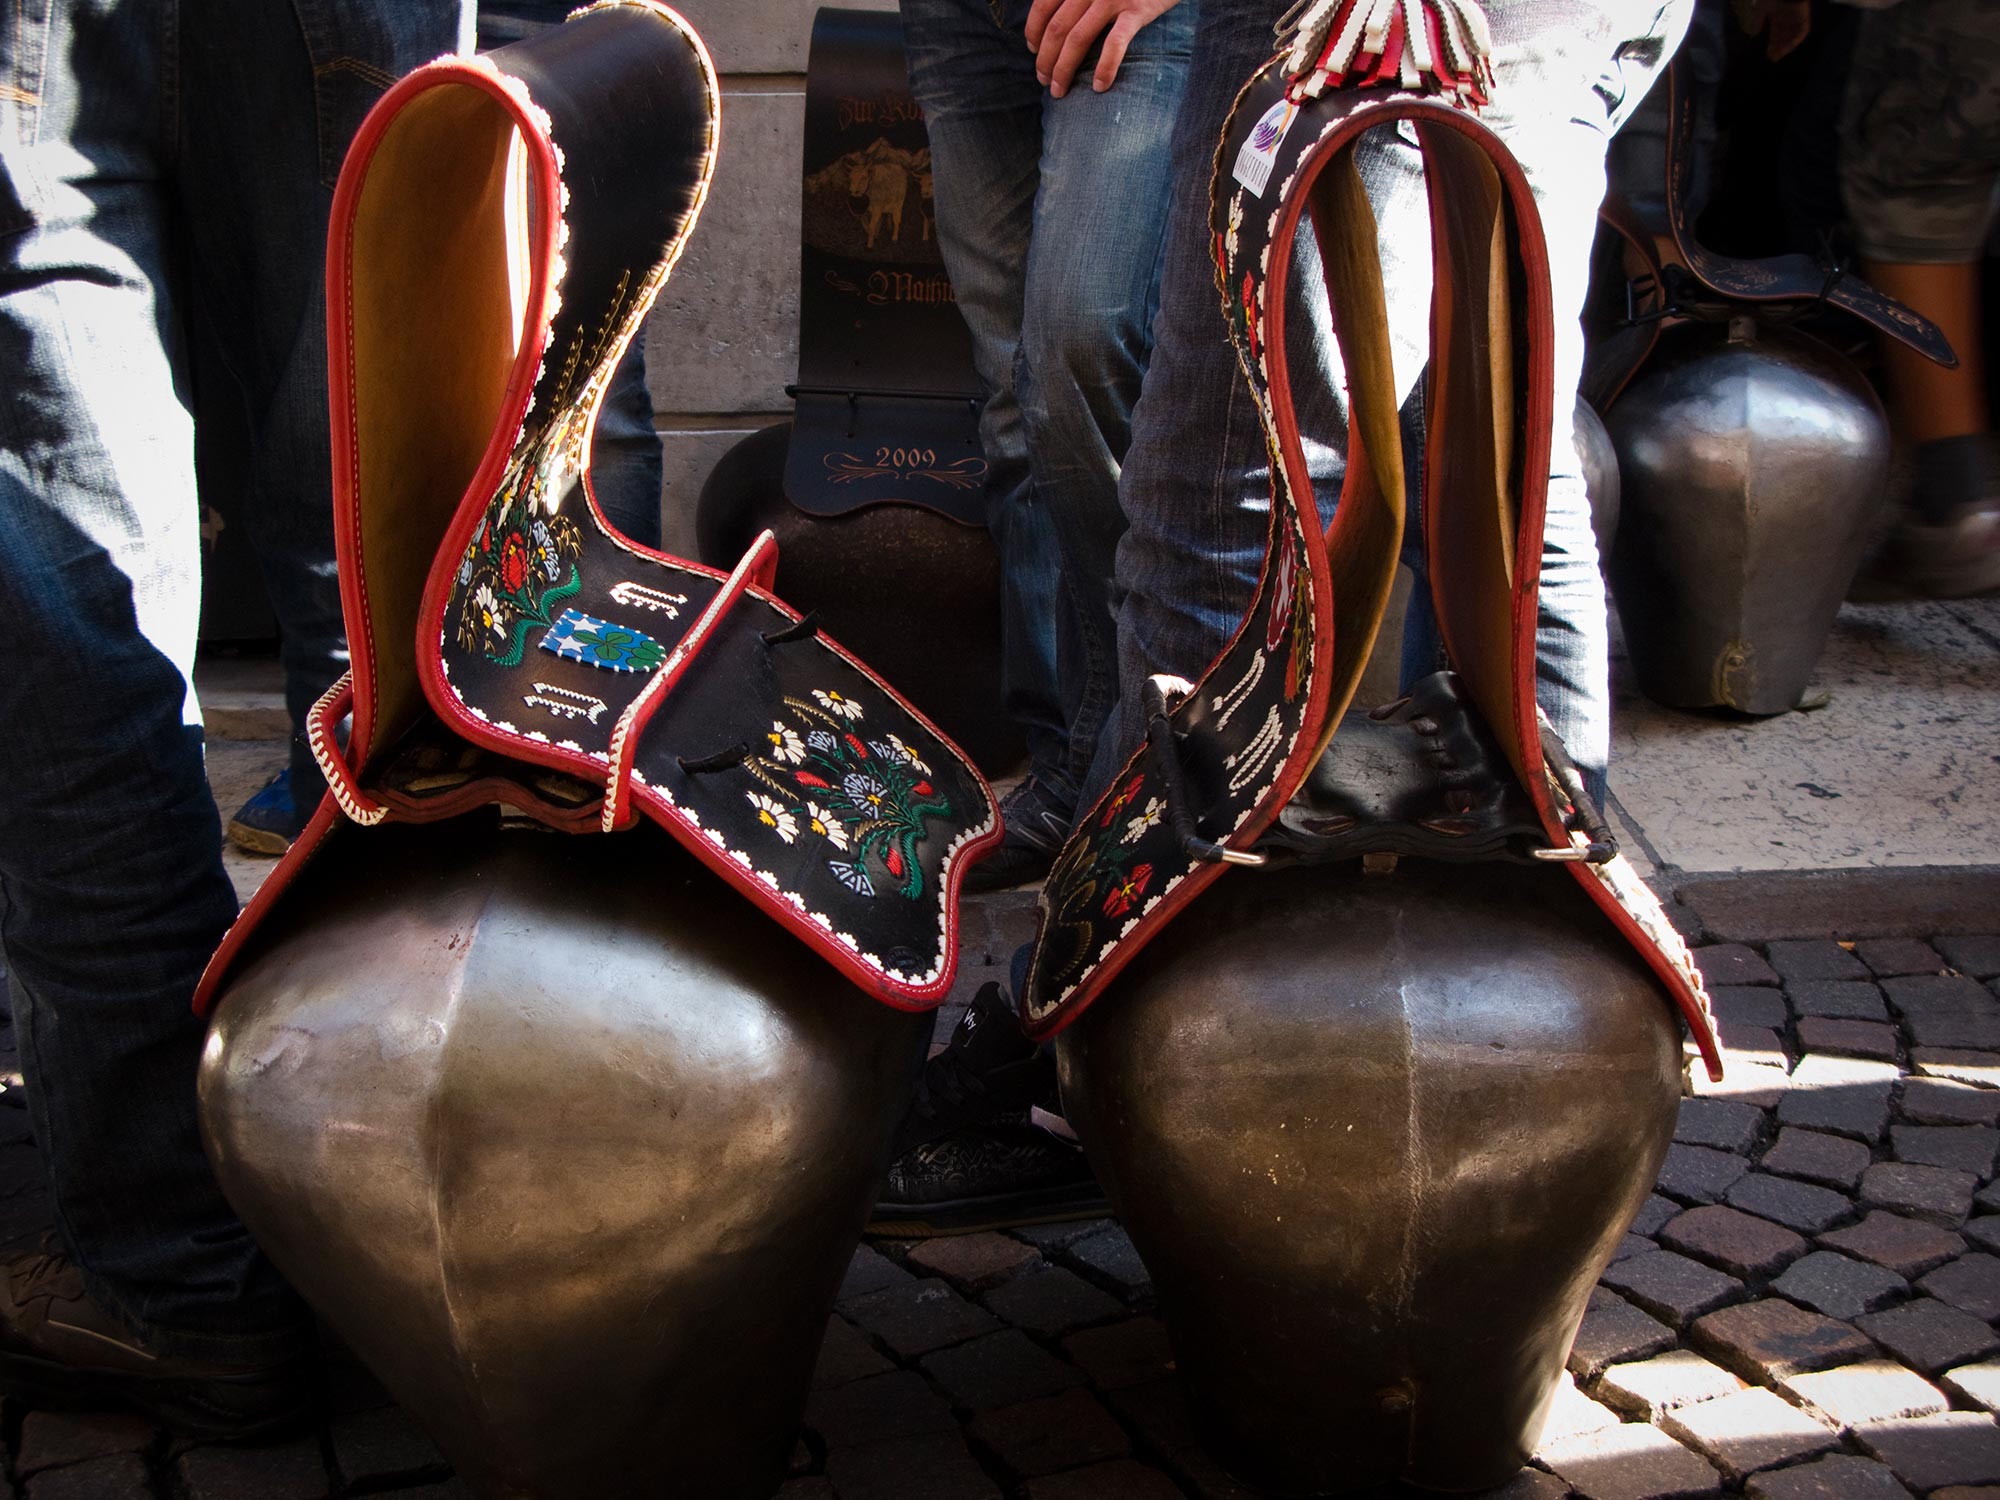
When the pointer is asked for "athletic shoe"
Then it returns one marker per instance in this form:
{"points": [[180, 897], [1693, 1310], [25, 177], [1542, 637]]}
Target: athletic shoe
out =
{"points": [[995, 1176], [1034, 823], [269, 821], [983, 1144], [988, 1071], [57, 1347]]}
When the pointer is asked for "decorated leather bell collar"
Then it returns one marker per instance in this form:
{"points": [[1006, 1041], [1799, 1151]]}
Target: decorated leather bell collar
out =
{"points": [[1225, 755], [501, 227]]}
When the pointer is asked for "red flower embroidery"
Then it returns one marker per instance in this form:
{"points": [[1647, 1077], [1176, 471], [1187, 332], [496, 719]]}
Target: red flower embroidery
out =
{"points": [[1282, 587], [806, 778], [1119, 803], [860, 750], [924, 789], [1250, 315], [894, 860], [514, 562], [1128, 891]]}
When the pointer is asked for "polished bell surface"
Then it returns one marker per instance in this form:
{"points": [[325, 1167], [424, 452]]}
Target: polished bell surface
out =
{"points": [[913, 593], [568, 1142], [1375, 1137], [1753, 461]]}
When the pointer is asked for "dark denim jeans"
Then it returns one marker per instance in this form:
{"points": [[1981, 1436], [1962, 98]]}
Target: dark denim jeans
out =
{"points": [[1196, 483], [1051, 216], [165, 175]]}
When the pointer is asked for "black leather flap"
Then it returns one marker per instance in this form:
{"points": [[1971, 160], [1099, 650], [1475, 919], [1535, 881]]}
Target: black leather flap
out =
{"points": [[1422, 776]]}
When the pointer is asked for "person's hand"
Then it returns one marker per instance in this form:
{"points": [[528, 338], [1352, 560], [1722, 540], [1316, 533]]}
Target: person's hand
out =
{"points": [[1061, 31]]}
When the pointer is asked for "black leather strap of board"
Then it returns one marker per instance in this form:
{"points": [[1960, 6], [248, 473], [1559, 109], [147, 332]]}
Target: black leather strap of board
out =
{"points": [[887, 398], [1795, 279]]}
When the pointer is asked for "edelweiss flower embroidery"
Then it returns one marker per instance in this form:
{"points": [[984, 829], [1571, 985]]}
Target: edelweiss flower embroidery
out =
{"points": [[1136, 828], [828, 827], [852, 876], [908, 754], [517, 572], [836, 703], [548, 556], [786, 746], [872, 800], [487, 604], [774, 815]]}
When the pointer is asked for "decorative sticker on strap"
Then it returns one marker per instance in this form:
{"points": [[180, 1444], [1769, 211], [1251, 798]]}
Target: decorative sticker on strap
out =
{"points": [[576, 636], [1260, 151]]}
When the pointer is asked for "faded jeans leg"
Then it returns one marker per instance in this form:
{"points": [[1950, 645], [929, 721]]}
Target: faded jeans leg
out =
{"points": [[1052, 221], [1197, 484], [110, 863]]}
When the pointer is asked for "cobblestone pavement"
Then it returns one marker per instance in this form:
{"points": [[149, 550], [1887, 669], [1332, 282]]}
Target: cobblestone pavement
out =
{"points": [[1805, 1309]]}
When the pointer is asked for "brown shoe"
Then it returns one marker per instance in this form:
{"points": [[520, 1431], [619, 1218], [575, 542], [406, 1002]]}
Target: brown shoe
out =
{"points": [[60, 1348]]}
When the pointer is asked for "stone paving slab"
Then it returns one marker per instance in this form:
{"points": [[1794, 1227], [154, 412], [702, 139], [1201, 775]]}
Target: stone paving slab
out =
{"points": [[1871, 1391], [1805, 791], [1750, 1430], [1652, 1387], [1836, 1478]]}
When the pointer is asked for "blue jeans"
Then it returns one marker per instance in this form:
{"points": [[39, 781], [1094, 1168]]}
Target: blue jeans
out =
{"points": [[1196, 482], [1052, 219], [165, 175]]}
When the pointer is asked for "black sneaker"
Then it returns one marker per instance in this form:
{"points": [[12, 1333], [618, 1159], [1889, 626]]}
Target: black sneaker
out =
{"points": [[988, 1071], [984, 1144], [271, 820], [58, 1347], [1034, 824], [994, 1176]]}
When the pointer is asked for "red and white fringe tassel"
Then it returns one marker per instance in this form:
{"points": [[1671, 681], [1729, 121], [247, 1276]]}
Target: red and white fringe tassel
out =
{"points": [[1443, 46]]}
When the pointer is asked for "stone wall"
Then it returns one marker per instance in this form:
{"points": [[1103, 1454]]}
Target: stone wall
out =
{"points": [[723, 342]]}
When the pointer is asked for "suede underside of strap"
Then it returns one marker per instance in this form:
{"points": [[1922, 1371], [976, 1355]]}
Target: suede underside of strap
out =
{"points": [[1472, 510], [1367, 531], [434, 313]]}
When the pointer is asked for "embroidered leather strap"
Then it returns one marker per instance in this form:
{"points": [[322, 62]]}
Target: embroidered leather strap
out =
{"points": [[323, 736], [1244, 738], [502, 225], [757, 566]]}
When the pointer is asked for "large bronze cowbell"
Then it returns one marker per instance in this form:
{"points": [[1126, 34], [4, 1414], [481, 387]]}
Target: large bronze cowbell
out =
{"points": [[564, 1141], [1376, 1117], [1753, 461], [1753, 457], [570, 1137]]}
